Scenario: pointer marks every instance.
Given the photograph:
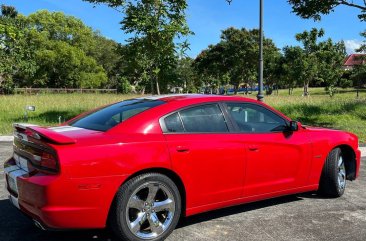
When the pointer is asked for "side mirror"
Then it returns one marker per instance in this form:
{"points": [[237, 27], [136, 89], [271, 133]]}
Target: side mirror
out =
{"points": [[294, 126]]}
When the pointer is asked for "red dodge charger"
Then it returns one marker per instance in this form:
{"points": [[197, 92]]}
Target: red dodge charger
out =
{"points": [[141, 164]]}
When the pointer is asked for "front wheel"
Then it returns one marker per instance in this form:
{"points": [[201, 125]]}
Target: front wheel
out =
{"points": [[333, 178], [147, 207]]}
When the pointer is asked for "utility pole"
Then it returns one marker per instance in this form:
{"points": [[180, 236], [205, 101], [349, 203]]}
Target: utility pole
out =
{"points": [[260, 96]]}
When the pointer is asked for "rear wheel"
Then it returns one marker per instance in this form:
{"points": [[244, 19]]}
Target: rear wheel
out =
{"points": [[333, 179], [146, 207]]}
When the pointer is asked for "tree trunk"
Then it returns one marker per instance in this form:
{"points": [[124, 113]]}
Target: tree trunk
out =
{"points": [[143, 91], [152, 85], [157, 87], [236, 86], [134, 87], [306, 89]]}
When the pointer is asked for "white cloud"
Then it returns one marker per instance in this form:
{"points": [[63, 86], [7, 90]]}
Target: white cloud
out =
{"points": [[352, 45]]}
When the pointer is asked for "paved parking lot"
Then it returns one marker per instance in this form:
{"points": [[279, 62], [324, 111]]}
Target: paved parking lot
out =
{"points": [[298, 217]]}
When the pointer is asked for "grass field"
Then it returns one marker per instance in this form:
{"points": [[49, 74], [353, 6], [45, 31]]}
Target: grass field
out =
{"points": [[343, 111]]}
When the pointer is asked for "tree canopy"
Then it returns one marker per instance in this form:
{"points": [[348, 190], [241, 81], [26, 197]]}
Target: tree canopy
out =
{"points": [[156, 26], [234, 58], [51, 49], [315, 8], [317, 62], [14, 51]]}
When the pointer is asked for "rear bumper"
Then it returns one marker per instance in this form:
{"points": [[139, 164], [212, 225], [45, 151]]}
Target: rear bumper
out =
{"points": [[61, 203]]}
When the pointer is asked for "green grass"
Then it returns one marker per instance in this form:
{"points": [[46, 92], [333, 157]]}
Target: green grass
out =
{"points": [[343, 111], [49, 107]]}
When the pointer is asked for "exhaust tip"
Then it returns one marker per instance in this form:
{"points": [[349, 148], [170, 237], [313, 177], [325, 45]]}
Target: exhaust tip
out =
{"points": [[39, 225]]}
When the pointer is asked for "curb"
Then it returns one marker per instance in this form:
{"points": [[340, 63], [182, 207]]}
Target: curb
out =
{"points": [[363, 151], [6, 138]]}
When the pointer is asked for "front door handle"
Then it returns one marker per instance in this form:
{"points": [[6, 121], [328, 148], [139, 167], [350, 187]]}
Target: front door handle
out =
{"points": [[182, 149], [253, 148]]}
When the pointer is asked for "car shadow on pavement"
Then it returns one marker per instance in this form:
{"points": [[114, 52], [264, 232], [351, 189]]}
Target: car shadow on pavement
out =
{"points": [[313, 195], [14, 226], [203, 217]]}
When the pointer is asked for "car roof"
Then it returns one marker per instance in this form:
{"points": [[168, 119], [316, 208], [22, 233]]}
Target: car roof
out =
{"points": [[200, 97]]}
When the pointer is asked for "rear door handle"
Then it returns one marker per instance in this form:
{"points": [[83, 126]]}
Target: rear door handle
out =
{"points": [[253, 148], [182, 149]]}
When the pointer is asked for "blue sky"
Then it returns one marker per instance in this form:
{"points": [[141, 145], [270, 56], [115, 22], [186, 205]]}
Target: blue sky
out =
{"points": [[207, 18]]}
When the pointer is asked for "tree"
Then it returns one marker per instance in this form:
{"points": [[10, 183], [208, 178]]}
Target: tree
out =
{"points": [[271, 71], [156, 24], [363, 45], [15, 53], [186, 76], [64, 52], [314, 8], [292, 67], [56, 26], [50, 49], [64, 66], [9, 11], [8, 36], [106, 53], [235, 57], [210, 66], [321, 61], [133, 67], [330, 58], [359, 77], [241, 54]]}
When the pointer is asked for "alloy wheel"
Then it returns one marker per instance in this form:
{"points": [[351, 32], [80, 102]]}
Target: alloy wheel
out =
{"points": [[341, 173], [150, 210]]}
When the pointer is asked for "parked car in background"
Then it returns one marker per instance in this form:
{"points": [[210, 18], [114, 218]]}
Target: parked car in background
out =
{"points": [[140, 164]]}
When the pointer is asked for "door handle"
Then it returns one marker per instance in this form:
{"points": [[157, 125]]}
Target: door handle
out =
{"points": [[182, 149], [253, 148]]}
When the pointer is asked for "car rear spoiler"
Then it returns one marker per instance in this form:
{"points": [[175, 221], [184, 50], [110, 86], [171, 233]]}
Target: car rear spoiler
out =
{"points": [[41, 133]]}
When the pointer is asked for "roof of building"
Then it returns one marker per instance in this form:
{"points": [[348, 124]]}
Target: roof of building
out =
{"points": [[355, 59]]}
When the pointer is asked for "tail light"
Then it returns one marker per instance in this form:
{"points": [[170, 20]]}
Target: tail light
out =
{"points": [[44, 161], [48, 162], [34, 150]]}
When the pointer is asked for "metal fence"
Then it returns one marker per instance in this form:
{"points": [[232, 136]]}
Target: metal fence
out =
{"points": [[61, 90]]}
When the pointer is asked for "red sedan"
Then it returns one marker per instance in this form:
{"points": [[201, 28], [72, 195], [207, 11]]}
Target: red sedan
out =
{"points": [[140, 164]]}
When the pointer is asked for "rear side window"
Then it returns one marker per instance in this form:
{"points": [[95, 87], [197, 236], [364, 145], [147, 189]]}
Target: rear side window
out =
{"points": [[173, 123], [200, 119], [110, 116]]}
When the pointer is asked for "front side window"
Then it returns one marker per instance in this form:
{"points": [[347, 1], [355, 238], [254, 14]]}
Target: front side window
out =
{"points": [[200, 119], [110, 116], [252, 118]]}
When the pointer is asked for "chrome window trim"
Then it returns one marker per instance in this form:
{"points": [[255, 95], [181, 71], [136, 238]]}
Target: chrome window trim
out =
{"points": [[218, 103]]}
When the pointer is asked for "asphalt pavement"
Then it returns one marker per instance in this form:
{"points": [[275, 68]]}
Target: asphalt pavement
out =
{"points": [[297, 217]]}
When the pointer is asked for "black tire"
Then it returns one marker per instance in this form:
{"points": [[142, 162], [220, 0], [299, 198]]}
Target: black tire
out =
{"points": [[118, 219], [330, 185]]}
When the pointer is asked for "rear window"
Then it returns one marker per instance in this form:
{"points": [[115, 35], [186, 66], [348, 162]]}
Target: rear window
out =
{"points": [[110, 116]]}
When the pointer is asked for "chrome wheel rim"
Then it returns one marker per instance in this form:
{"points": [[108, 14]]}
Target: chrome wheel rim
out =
{"points": [[341, 173], [150, 210]]}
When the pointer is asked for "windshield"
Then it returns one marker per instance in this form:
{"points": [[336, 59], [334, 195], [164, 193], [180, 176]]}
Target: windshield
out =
{"points": [[110, 116]]}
